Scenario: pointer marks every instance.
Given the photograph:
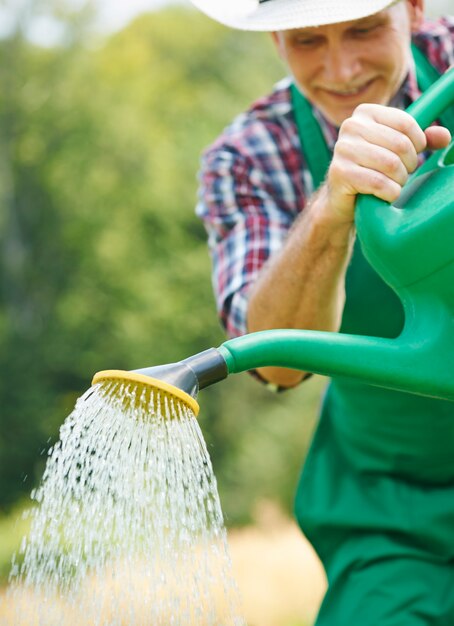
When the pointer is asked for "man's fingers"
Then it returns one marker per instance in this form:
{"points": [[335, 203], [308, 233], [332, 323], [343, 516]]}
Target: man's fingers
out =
{"points": [[363, 128], [375, 158], [350, 179], [437, 137], [400, 121]]}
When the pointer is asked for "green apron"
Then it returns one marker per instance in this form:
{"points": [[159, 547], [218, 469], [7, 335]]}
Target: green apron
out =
{"points": [[376, 496]]}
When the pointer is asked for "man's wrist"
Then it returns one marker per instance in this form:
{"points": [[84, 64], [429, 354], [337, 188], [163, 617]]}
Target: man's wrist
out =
{"points": [[335, 229]]}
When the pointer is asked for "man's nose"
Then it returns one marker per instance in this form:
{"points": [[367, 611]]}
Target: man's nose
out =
{"points": [[341, 64]]}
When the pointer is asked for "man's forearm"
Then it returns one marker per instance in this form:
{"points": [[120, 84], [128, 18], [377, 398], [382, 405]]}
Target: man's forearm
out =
{"points": [[302, 286]]}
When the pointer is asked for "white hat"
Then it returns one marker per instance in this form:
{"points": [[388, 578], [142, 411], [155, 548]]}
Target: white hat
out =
{"points": [[271, 15]]}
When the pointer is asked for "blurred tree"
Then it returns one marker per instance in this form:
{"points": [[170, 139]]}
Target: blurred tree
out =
{"points": [[104, 264], [35, 260], [51, 21]]}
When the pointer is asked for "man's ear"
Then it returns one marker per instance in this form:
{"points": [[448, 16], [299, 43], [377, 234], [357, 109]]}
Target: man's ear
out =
{"points": [[416, 13]]}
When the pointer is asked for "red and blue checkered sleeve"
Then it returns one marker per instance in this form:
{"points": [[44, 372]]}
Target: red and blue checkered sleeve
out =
{"points": [[436, 40], [245, 226]]}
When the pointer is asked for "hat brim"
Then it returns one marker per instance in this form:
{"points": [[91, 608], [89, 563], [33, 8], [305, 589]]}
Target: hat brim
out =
{"points": [[274, 15]]}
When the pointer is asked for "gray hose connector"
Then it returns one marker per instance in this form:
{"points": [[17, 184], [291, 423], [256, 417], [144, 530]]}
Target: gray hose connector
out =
{"points": [[192, 374]]}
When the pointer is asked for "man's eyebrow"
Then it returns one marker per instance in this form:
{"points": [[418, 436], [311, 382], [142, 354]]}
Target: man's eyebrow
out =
{"points": [[310, 31], [370, 19]]}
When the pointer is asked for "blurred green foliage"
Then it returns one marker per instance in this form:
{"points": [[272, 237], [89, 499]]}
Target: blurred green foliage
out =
{"points": [[13, 527], [103, 262]]}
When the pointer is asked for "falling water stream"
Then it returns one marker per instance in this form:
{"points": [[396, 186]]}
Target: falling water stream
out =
{"points": [[127, 528]]}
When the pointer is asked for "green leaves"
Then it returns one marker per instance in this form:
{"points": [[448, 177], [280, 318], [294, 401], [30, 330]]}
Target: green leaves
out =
{"points": [[104, 263]]}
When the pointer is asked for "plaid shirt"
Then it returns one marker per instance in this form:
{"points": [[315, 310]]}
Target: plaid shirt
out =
{"points": [[255, 181]]}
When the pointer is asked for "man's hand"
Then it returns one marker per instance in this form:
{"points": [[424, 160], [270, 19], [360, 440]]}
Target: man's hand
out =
{"points": [[377, 149]]}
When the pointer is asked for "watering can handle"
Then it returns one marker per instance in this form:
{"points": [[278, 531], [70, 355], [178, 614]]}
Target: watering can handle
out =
{"points": [[384, 229], [438, 97]]}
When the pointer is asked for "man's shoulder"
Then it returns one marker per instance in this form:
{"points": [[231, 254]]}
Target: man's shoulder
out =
{"points": [[436, 39], [266, 117], [268, 108]]}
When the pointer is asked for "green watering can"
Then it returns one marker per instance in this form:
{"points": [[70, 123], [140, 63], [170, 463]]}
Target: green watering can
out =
{"points": [[411, 246]]}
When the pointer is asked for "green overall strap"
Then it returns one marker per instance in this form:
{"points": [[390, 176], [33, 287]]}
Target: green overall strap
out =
{"points": [[313, 144]]}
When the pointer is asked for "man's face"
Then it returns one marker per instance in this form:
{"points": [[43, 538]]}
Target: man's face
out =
{"points": [[339, 66]]}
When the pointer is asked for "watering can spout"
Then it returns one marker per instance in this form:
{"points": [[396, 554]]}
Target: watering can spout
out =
{"points": [[402, 364], [181, 380]]}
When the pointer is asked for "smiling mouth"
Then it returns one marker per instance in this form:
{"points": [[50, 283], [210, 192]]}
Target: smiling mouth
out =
{"points": [[349, 93]]}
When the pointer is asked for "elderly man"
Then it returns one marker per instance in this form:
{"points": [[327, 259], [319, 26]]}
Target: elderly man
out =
{"points": [[278, 191]]}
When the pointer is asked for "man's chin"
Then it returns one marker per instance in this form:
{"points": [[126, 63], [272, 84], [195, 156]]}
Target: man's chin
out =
{"points": [[336, 118]]}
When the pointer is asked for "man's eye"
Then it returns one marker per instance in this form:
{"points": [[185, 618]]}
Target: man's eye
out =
{"points": [[306, 42], [364, 31]]}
